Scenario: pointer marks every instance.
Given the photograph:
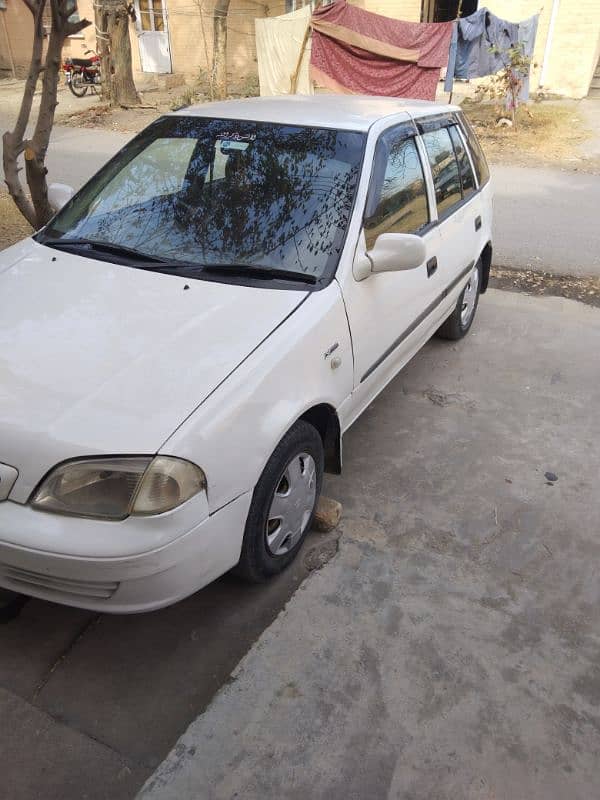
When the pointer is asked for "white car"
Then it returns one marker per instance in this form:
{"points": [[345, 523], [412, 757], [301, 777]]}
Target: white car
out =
{"points": [[184, 344]]}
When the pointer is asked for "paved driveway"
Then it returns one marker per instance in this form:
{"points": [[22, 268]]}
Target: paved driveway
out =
{"points": [[91, 704], [449, 650]]}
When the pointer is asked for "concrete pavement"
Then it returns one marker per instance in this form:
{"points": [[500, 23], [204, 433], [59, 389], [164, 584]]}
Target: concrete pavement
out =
{"points": [[91, 704], [451, 648]]}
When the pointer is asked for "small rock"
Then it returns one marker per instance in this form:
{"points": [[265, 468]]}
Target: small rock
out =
{"points": [[551, 476], [327, 515]]}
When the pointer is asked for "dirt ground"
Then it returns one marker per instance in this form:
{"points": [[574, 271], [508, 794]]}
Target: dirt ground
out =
{"points": [[12, 225], [154, 103], [547, 133], [585, 289]]}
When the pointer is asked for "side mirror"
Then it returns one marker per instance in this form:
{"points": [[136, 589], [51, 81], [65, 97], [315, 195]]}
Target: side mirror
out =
{"points": [[59, 195], [391, 252]]}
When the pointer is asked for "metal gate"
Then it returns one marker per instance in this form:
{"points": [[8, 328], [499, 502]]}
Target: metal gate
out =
{"points": [[153, 35]]}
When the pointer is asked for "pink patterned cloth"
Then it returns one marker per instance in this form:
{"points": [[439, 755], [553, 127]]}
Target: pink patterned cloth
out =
{"points": [[343, 67]]}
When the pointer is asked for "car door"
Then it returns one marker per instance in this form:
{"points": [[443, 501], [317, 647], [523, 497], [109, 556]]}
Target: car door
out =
{"points": [[389, 312], [458, 204]]}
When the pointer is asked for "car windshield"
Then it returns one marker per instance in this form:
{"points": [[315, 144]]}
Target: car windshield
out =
{"points": [[195, 192]]}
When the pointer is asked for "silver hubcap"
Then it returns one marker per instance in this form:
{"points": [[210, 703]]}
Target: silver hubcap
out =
{"points": [[292, 504], [469, 297]]}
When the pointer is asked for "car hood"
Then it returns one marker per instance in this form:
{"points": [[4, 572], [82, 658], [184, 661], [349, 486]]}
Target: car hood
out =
{"points": [[98, 358]]}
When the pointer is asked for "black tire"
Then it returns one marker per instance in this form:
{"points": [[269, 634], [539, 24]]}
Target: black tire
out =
{"points": [[77, 85], [454, 328], [257, 563]]}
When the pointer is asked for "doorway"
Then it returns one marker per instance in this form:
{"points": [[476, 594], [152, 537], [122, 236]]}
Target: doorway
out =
{"points": [[446, 10], [153, 35]]}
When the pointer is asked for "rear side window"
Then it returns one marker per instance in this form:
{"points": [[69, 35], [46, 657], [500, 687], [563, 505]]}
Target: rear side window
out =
{"points": [[481, 167], [467, 179], [397, 201], [444, 167]]}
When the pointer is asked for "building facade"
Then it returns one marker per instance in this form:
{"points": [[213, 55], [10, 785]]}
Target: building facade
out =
{"points": [[176, 36]]}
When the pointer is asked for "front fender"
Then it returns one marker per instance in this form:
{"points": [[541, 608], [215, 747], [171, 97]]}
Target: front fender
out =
{"points": [[235, 430]]}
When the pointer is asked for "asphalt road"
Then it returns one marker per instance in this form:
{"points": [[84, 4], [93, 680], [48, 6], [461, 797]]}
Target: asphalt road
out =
{"points": [[545, 219]]}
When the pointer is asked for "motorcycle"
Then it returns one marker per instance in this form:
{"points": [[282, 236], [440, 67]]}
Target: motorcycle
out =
{"points": [[82, 74]]}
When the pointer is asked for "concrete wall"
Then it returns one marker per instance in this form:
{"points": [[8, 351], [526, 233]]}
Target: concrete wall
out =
{"points": [[575, 46], [571, 62], [16, 21], [574, 52]]}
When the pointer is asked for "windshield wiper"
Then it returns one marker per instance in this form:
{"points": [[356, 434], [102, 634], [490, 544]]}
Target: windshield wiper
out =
{"points": [[157, 264], [80, 245], [191, 270], [262, 273]]}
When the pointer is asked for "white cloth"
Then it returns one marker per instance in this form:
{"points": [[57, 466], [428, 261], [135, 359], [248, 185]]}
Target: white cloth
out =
{"points": [[278, 43]]}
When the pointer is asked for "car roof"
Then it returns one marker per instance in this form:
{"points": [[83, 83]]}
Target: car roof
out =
{"points": [[340, 111]]}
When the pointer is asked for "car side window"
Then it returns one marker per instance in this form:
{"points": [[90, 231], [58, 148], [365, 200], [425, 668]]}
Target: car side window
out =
{"points": [[481, 168], [467, 178], [444, 168], [397, 201]]}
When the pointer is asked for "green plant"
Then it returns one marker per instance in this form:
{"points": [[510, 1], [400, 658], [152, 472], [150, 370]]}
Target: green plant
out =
{"points": [[505, 86]]}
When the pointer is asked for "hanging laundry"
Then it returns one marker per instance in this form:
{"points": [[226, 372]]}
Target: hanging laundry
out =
{"points": [[527, 33], [356, 51], [278, 44], [479, 44]]}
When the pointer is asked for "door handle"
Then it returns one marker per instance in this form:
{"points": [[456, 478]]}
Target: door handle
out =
{"points": [[431, 266], [477, 223]]}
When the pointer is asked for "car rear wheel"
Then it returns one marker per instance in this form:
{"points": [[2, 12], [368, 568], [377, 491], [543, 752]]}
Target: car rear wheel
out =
{"points": [[458, 323], [283, 504]]}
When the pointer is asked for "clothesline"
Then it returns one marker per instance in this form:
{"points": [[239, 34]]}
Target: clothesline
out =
{"points": [[354, 50]]}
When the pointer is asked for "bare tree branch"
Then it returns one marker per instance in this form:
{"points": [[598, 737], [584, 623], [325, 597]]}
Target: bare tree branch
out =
{"points": [[37, 211]]}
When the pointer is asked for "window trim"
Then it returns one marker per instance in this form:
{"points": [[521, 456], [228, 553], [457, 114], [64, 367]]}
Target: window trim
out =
{"points": [[475, 187], [464, 126], [463, 200], [408, 129], [465, 144]]}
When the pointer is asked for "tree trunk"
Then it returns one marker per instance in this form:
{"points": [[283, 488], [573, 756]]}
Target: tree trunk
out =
{"points": [[103, 50], [13, 144], [35, 150], [220, 49], [123, 91], [38, 211], [114, 49]]}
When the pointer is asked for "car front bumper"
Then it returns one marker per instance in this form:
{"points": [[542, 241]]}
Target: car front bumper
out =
{"points": [[131, 583]]}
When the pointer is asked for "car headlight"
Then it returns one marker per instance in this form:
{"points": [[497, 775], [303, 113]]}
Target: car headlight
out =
{"points": [[115, 488]]}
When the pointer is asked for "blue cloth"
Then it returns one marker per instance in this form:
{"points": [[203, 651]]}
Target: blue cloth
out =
{"points": [[527, 33], [478, 46]]}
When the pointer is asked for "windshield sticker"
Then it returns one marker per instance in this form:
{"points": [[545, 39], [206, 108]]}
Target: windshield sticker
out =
{"points": [[236, 136]]}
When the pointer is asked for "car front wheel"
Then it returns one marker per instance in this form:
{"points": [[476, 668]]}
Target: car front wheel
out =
{"points": [[458, 323], [283, 504]]}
